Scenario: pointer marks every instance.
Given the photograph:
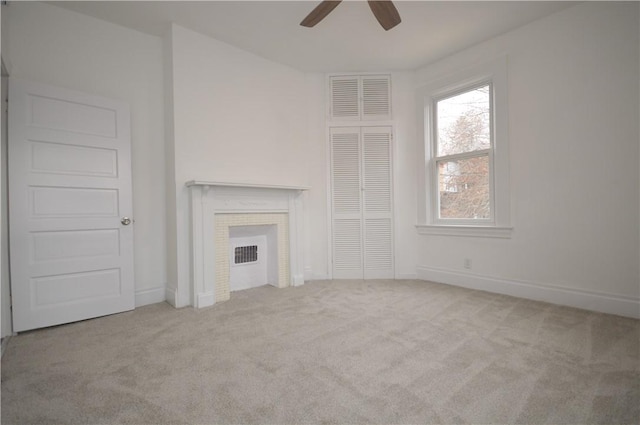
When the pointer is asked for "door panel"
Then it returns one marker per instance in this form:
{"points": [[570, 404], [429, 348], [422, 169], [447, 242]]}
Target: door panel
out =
{"points": [[346, 203], [377, 203], [49, 291], [73, 116], [378, 248], [55, 158], [69, 186], [347, 248], [361, 190]]}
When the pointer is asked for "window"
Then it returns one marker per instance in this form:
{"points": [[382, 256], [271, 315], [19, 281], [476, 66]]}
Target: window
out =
{"points": [[462, 142], [466, 154]]}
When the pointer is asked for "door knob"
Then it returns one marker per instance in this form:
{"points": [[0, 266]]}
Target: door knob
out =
{"points": [[126, 221]]}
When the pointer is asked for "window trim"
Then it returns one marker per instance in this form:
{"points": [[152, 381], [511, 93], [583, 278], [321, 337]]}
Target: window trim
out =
{"points": [[493, 73]]}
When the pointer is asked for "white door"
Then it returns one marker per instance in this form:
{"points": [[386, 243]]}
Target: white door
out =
{"points": [[346, 187], [360, 97], [71, 246], [377, 203], [361, 180]]}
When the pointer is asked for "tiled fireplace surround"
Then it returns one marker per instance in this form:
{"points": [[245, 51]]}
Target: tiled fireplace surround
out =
{"points": [[216, 206]]}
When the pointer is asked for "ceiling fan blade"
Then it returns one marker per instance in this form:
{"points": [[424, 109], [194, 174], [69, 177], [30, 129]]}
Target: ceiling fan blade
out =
{"points": [[319, 13], [386, 13]]}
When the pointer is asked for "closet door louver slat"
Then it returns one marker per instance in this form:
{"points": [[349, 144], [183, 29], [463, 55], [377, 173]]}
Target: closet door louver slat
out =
{"points": [[345, 166], [345, 98], [377, 202], [346, 203], [378, 249], [377, 169], [376, 98], [347, 249], [360, 98]]}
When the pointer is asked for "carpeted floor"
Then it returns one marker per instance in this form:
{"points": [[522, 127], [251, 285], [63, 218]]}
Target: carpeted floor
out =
{"points": [[331, 352]]}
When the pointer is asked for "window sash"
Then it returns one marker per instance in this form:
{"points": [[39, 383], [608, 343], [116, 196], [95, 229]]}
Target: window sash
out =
{"points": [[462, 156], [434, 159], [453, 93], [438, 204]]}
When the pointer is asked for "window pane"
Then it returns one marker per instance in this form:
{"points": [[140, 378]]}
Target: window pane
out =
{"points": [[463, 187], [463, 122]]}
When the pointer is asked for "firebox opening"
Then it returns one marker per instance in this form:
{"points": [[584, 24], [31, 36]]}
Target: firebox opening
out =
{"points": [[253, 256]]}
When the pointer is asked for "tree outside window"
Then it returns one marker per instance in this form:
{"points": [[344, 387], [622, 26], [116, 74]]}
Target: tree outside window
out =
{"points": [[463, 139]]}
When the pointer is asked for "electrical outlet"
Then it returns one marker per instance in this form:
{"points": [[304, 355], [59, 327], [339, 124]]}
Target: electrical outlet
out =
{"points": [[467, 263]]}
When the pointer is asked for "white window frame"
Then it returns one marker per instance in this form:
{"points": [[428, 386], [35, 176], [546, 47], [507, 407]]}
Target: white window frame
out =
{"points": [[499, 224]]}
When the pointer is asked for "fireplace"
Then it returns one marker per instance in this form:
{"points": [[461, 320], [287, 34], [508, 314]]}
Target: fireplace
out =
{"points": [[222, 212]]}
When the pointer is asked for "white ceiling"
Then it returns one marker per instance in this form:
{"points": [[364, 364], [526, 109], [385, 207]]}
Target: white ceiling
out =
{"points": [[349, 39]]}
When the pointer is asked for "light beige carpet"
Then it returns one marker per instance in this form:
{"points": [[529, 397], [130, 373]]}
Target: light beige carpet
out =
{"points": [[331, 352]]}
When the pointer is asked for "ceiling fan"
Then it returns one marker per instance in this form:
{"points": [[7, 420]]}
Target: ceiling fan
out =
{"points": [[384, 11]]}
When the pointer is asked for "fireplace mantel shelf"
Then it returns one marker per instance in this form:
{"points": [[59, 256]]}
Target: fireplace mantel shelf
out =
{"points": [[245, 185]]}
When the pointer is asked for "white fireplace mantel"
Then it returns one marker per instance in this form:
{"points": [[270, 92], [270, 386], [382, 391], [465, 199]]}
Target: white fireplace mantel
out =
{"points": [[244, 185], [211, 198]]}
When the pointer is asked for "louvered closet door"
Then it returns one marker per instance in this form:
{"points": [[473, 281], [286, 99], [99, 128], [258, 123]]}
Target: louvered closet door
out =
{"points": [[362, 202], [345, 98], [346, 203], [360, 98], [377, 203], [376, 97]]}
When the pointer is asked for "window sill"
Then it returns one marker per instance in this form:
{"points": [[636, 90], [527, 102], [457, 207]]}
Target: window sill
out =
{"points": [[469, 231]]}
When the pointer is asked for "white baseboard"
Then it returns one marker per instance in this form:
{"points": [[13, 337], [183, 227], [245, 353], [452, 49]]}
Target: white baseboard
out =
{"points": [[406, 276], [205, 299], [594, 301], [324, 276], [171, 296], [318, 276], [150, 296], [309, 274], [298, 280]]}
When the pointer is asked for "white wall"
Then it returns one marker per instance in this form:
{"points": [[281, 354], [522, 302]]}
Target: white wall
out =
{"points": [[405, 167], [5, 286], [4, 38], [54, 46], [5, 290], [237, 117], [317, 253], [170, 172], [574, 139]]}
